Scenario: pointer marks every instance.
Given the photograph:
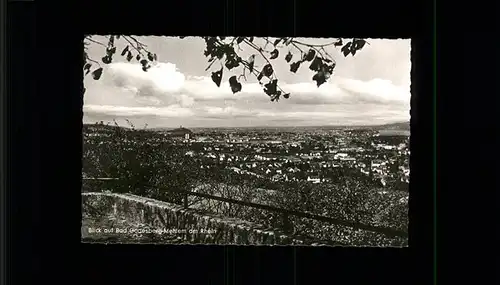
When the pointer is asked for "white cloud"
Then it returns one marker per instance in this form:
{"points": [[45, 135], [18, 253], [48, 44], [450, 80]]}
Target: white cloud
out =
{"points": [[376, 90], [226, 112], [125, 91], [172, 87], [163, 76], [121, 111]]}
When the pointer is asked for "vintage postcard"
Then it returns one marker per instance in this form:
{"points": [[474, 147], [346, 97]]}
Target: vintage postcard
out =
{"points": [[246, 140]]}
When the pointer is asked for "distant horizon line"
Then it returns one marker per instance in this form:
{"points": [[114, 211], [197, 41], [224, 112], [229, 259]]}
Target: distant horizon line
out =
{"points": [[259, 126]]}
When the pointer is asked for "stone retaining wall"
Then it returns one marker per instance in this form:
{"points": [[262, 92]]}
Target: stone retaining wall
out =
{"points": [[192, 225]]}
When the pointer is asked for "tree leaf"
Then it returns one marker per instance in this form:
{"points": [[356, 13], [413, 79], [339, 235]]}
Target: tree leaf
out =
{"points": [[235, 85], [232, 59], [277, 41], [239, 40], [287, 95], [310, 55], [250, 39], [316, 64], [230, 64], [270, 88], [111, 50], [111, 41], [327, 71], [320, 78], [295, 66], [218, 51], [217, 77], [259, 77], [267, 70], [276, 96], [155, 57], [106, 59], [339, 43], [330, 68], [346, 50], [251, 62], [96, 74], [232, 80], [129, 56], [144, 62], [288, 57], [138, 57], [150, 56], [274, 54], [359, 44], [125, 50], [87, 66]]}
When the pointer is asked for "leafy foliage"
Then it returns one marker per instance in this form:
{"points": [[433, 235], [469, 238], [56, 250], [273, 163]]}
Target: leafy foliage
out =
{"points": [[235, 85], [133, 156], [222, 49], [217, 77], [134, 46], [96, 74]]}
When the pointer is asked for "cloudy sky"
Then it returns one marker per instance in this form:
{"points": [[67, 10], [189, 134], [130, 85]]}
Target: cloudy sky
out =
{"points": [[372, 87]]}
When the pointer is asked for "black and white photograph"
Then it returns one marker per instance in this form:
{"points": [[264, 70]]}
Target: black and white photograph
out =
{"points": [[271, 141]]}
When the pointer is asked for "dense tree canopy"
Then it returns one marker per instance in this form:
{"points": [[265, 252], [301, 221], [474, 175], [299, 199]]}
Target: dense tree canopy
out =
{"points": [[150, 166], [224, 50]]}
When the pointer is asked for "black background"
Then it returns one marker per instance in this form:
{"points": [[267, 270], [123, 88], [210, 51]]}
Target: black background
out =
{"points": [[44, 145]]}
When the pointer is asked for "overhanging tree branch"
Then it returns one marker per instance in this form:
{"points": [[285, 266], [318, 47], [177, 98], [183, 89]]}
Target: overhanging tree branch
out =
{"points": [[138, 48], [88, 38], [321, 62], [315, 45]]}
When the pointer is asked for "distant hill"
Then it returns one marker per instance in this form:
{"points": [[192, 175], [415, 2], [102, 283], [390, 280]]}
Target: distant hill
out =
{"points": [[159, 129], [90, 128], [102, 127], [393, 126], [394, 129], [392, 133], [405, 126], [401, 126]]}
